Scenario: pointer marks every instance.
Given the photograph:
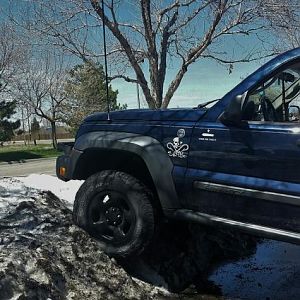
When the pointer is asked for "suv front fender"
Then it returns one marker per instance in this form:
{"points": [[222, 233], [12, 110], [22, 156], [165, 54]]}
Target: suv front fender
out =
{"points": [[147, 148]]}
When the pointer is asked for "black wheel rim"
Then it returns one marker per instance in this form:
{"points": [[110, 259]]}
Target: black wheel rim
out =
{"points": [[111, 217]]}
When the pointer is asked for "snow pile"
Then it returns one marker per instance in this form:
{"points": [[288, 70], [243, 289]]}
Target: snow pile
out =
{"points": [[44, 256], [12, 192], [35, 228], [186, 252], [63, 190]]}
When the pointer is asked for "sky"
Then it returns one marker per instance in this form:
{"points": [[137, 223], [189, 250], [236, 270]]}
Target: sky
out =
{"points": [[205, 80]]}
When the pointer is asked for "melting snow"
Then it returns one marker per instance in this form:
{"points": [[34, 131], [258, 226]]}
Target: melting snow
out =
{"points": [[13, 190], [63, 190], [272, 272]]}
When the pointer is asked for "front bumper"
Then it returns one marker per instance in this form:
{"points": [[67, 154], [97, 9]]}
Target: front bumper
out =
{"points": [[66, 164]]}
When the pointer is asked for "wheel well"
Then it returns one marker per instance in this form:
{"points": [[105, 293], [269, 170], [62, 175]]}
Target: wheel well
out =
{"points": [[95, 160]]}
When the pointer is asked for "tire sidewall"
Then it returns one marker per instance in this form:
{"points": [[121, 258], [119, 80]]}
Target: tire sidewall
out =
{"points": [[138, 197]]}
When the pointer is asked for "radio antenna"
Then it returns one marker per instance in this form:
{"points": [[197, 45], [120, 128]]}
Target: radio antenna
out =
{"points": [[105, 61]]}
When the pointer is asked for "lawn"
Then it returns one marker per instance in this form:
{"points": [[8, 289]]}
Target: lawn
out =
{"points": [[22, 152]]}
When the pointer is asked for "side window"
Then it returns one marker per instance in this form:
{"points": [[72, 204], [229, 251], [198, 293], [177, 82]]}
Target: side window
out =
{"points": [[277, 99]]}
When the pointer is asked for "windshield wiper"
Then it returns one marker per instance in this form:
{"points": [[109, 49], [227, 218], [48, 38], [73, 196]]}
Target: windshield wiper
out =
{"points": [[201, 105]]}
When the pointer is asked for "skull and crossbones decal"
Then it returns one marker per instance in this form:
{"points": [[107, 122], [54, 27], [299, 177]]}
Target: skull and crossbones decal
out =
{"points": [[177, 148]]}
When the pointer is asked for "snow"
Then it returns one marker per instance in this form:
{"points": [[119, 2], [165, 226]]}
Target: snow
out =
{"points": [[274, 267], [63, 190], [14, 190]]}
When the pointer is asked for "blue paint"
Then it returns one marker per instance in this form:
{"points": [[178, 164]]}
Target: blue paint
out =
{"points": [[244, 181], [149, 115]]}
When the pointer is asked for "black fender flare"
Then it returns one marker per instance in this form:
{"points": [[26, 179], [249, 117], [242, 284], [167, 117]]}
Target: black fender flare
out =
{"points": [[148, 149]]}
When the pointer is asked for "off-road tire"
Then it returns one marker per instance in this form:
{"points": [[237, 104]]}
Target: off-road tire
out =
{"points": [[137, 197]]}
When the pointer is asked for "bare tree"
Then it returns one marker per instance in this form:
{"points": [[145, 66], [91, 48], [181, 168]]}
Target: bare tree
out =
{"points": [[11, 55], [40, 88], [284, 18], [157, 32]]}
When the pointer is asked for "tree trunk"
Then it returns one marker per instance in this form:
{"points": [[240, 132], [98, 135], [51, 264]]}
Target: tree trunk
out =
{"points": [[28, 124], [173, 86], [24, 133], [53, 135]]}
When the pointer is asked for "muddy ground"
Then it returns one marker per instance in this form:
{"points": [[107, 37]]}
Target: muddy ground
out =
{"points": [[44, 256], [273, 272]]}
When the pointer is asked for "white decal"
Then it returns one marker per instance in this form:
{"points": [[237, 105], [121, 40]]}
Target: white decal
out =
{"points": [[177, 148], [181, 133], [207, 136]]}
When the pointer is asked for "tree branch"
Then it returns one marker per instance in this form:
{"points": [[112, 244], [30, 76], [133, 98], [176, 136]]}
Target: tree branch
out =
{"points": [[113, 27], [152, 51], [126, 78], [195, 53]]}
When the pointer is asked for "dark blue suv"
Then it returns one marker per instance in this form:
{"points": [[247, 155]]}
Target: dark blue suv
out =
{"points": [[231, 162]]}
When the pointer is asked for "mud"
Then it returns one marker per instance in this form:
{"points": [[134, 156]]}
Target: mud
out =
{"points": [[44, 256], [273, 272], [184, 255]]}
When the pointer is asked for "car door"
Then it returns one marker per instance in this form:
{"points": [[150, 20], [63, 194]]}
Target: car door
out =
{"points": [[249, 172]]}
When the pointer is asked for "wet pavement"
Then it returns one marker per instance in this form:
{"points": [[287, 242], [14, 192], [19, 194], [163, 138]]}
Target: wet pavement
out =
{"points": [[273, 272]]}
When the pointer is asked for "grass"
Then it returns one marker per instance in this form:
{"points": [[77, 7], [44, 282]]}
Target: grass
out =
{"points": [[22, 152]]}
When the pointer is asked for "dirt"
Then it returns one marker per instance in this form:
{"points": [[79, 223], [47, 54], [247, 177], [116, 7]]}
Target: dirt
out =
{"points": [[184, 255], [44, 256], [272, 272]]}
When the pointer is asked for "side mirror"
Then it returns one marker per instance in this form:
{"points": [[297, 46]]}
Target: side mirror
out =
{"points": [[294, 113], [232, 115]]}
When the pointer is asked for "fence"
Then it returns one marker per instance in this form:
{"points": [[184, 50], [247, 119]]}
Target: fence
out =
{"points": [[42, 136]]}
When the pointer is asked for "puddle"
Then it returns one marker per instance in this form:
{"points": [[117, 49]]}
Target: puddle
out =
{"points": [[273, 272]]}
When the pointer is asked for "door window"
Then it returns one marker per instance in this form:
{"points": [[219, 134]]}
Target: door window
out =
{"points": [[277, 99]]}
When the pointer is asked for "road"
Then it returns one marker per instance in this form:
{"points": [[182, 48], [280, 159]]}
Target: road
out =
{"points": [[33, 166], [39, 142]]}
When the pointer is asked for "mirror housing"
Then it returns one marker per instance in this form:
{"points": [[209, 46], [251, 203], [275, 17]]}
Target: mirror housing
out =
{"points": [[232, 115], [294, 113]]}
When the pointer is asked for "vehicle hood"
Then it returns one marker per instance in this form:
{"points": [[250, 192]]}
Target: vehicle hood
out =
{"points": [[149, 115]]}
